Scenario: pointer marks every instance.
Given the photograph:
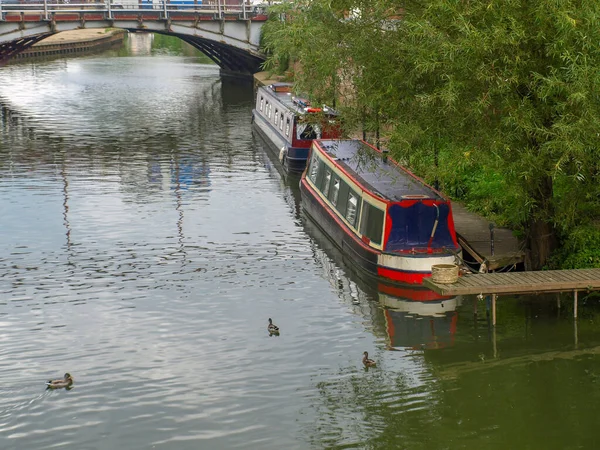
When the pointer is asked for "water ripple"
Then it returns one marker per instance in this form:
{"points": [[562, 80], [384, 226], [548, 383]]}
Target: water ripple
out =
{"points": [[148, 266], [147, 238]]}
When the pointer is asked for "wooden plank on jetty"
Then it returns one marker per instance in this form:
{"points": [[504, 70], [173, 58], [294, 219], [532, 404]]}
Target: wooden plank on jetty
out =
{"points": [[475, 238], [533, 282]]}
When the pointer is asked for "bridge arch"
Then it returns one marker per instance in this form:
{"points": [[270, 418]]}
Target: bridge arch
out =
{"points": [[228, 35]]}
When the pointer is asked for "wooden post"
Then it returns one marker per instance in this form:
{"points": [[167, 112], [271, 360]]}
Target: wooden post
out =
{"points": [[494, 343], [494, 309], [575, 304]]}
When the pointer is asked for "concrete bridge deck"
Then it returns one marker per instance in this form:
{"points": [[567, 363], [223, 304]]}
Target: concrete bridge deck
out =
{"points": [[228, 34]]}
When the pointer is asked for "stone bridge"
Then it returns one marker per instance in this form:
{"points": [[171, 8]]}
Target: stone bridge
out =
{"points": [[228, 34]]}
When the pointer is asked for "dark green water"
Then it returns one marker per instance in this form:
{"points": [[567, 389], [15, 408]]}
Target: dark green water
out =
{"points": [[146, 239]]}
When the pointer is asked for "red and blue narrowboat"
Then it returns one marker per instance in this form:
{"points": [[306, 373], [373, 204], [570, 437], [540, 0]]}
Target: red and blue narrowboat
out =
{"points": [[386, 220], [289, 123]]}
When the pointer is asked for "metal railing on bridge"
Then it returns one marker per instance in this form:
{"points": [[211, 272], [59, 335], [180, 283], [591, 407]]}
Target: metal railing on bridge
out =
{"points": [[22, 10]]}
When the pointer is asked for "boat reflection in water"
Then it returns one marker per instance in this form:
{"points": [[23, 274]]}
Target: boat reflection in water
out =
{"points": [[418, 318]]}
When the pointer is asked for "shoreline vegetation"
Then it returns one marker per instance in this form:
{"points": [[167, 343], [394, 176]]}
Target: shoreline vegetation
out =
{"points": [[496, 105]]}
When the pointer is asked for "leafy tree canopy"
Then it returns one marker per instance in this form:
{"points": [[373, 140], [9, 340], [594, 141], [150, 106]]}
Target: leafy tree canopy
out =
{"points": [[498, 100]]}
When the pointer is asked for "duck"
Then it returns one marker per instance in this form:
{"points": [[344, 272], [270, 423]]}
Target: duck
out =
{"points": [[65, 382], [272, 328], [368, 362]]}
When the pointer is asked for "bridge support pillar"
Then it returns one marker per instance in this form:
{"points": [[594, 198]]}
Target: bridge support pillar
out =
{"points": [[237, 75]]}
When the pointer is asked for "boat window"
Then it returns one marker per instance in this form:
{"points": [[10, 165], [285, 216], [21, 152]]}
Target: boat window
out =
{"points": [[343, 198], [320, 174], [287, 127], [335, 191], [351, 208], [326, 182], [276, 116], [268, 109], [314, 168], [371, 224], [308, 131], [262, 101], [281, 123]]}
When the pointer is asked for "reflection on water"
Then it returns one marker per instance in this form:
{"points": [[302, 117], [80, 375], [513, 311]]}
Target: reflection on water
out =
{"points": [[420, 324], [147, 238], [450, 380]]}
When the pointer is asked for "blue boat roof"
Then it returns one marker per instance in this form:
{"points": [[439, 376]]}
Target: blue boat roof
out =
{"points": [[382, 177]]}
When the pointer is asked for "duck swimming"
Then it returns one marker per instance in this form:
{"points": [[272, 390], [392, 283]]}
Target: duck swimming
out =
{"points": [[65, 382], [368, 362], [272, 328]]}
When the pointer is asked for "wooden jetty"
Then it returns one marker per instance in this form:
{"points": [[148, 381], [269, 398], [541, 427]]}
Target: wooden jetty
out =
{"points": [[497, 247], [533, 282]]}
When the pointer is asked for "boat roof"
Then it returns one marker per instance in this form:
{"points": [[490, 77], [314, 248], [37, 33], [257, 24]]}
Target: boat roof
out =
{"points": [[382, 177], [296, 103]]}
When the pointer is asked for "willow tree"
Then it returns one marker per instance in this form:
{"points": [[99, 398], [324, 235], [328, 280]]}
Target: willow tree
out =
{"points": [[498, 99], [306, 33]]}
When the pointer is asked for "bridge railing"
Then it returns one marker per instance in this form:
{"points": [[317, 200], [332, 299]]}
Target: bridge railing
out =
{"points": [[9, 9]]}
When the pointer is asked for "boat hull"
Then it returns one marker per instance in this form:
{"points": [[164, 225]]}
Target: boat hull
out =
{"points": [[399, 268], [292, 159]]}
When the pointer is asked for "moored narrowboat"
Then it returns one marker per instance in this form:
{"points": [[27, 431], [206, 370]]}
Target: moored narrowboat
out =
{"points": [[385, 219], [289, 124]]}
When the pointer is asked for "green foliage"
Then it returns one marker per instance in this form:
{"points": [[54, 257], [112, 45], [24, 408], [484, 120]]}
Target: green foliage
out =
{"points": [[497, 101], [270, 42], [581, 249]]}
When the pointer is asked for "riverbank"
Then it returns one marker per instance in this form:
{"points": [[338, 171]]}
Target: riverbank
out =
{"points": [[75, 41]]}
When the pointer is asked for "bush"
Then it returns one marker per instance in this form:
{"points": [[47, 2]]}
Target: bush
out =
{"points": [[580, 249]]}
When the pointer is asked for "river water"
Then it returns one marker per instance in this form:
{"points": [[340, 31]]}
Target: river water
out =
{"points": [[147, 236]]}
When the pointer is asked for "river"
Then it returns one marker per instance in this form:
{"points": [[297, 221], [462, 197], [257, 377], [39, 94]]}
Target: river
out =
{"points": [[147, 237]]}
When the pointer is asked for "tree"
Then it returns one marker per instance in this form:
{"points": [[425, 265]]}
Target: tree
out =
{"points": [[498, 100]]}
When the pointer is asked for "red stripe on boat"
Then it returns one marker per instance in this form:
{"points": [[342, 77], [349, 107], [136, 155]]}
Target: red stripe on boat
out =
{"points": [[402, 276]]}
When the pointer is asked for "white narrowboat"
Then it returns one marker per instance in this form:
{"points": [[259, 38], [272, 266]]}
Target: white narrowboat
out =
{"points": [[289, 123]]}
